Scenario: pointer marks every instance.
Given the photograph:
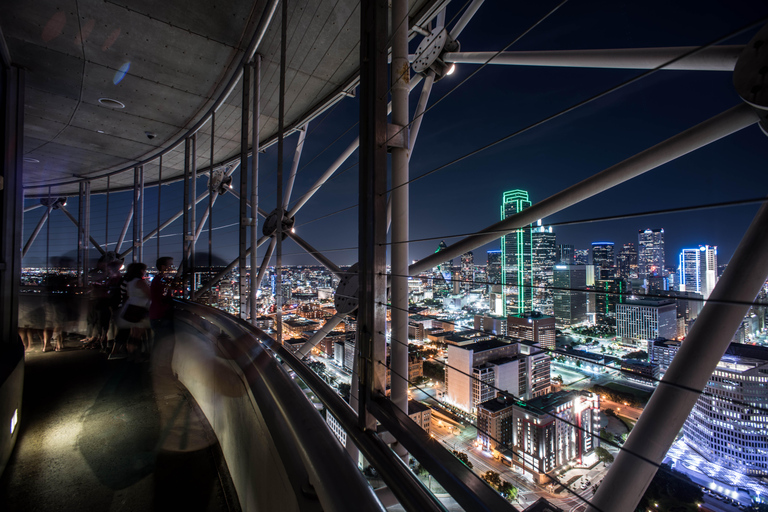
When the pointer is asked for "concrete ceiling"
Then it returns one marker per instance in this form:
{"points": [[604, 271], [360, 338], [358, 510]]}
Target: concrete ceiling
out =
{"points": [[167, 62]]}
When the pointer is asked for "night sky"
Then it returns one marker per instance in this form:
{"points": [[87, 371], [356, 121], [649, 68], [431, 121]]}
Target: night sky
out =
{"points": [[465, 197]]}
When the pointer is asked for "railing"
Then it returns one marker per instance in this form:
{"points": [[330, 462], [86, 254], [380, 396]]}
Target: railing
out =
{"points": [[279, 451]]}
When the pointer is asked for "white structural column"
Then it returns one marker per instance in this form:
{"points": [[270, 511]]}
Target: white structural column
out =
{"points": [[689, 372], [400, 74], [715, 58]]}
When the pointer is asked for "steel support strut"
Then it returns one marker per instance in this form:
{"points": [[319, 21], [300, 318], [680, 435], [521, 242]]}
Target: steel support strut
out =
{"points": [[295, 165], [370, 347], [688, 373], [242, 282], [229, 268], [74, 221], [715, 58], [713, 129], [400, 74], [192, 213], [124, 231], [254, 288], [138, 213], [83, 232], [36, 232], [279, 198]]}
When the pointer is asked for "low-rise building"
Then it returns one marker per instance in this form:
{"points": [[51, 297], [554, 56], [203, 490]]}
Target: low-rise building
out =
{"points": [[474, 372], [542, 434]]}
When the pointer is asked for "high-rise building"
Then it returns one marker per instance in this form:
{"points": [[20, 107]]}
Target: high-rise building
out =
{"points": [[650, 252], [569, 304], [543, 259], [543, 434], [646, 319], [708, 269], [626, 261], [608, 293], [688, 270], [565, 254], [516, 254], [581, 257], [476, 371], [493, 269], [698, 270], [729, 423], [534, 326], [603, 258], [467, 270]]}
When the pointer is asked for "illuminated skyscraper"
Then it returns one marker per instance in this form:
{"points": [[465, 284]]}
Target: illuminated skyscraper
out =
{"points": [[543, 258], [603, 258], [626, 261], [516, 254], [698, 270], [581, 257], [493, 270], [565, 254], [650, 251], [467, 270], [569, 304]]}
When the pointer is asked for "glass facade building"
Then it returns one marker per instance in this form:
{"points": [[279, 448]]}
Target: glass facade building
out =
{"points": [[516, 255]]}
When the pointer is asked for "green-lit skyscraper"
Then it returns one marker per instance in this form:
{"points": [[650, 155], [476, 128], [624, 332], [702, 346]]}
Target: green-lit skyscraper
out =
{"points": [[516, 255]]}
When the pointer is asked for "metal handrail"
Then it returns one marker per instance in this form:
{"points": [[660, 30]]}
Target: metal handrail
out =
{"points": [[301, 436], [468, 489]]}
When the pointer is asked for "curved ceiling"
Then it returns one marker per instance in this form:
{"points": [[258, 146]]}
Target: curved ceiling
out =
{"points": [[167, 63]]}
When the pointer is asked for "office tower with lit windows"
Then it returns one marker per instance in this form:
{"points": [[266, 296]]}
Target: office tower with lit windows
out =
{"points": [[565, 254], [646, 319], [729, 423], [581, 257], [626, 261], [467, 270], [544, 434], [603, 258], [688, 269], [533, 327], [475, 372], [569, 304], [698, 270], [543, 260], [493, 269], [650, 252], [608, 293], [516, 254]]}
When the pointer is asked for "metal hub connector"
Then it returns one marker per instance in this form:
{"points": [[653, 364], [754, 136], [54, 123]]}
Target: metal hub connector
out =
{"points": [[53, 202], [750, 76], [430, 51], [270, 223], [347, 292], [220, 181]]}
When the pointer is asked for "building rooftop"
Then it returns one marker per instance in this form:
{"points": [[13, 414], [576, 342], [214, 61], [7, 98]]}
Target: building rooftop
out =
{"points": [[747, 351], [482, 346], [415, 407], [648, 302], [533, 315], [498, 404], [583, 354], [551, 401]]}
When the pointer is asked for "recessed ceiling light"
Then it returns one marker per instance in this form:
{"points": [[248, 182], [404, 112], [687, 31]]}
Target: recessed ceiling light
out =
{"points": [[109, 102], [100, 131], [31, 160]]}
